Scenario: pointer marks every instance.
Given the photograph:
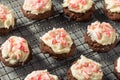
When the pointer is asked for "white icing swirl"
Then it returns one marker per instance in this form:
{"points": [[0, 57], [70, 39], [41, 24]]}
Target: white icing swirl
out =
{"points": [[58, 39], [113, 5], [7, 18], [118, 65], [78, 6], [102, 33], [15, 49], [86, 69], [41, 75], [37, 6]]}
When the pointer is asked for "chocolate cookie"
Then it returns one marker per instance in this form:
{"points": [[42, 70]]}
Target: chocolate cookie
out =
{"points": [[44, 15], [18, 63], [70, 76], [5, 31], [79, 16], [111, 15], [47, 50], [115, 71], [98, 47]]}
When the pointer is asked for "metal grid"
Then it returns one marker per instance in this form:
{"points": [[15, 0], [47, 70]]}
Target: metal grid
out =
{"points": [[32, 30]]}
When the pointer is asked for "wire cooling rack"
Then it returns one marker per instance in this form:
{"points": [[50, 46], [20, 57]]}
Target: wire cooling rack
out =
{"points": [[32, 30]]}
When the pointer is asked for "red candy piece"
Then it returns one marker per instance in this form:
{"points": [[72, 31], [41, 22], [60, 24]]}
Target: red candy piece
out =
{"points": [[19, 56], [39, 1], [54, 41], [75, 6], [62, 35], [3, 13], [86, 75], [53, 35], [84, 2], [99, 35], [64, 43], [11, 40]]}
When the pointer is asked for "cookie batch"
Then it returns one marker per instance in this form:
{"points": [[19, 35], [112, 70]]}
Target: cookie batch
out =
{"points": [[101, 37]]}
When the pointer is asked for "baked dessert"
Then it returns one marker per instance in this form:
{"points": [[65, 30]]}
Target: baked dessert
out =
{"points": [[112, 9], [85, 69], [37, 9], [7, 20], [57, 43], [41, 75], [79, 10], [15, 52], [117, 68], [101, 37]]}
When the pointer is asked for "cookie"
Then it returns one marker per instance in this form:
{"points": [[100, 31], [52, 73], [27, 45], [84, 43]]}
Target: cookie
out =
{"points": [[79, 10], [37, 10], [41, 75], [79, 16], [112, 11], [7, 20], [115, 69], [98, 47], [85, 69], [57, 43], [47, 50], [111, 15], [16, 53], [101, 37]]}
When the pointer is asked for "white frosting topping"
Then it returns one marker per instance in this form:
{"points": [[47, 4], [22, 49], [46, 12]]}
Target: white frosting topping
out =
{"points": [[58, 39], [15, 49], [86, 69], [102, 33], [78, 6], [41, 75], [118, 65], [37, 6], [7, 18], [113, 5]]}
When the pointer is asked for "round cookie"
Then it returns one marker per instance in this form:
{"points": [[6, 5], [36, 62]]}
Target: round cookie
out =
{"points": [[101, 37], [79, 10], [117, 68], [37, 10], [7, 20], [112, 9], [85, 69], [57, 43], [41, 75], [15, 52]]}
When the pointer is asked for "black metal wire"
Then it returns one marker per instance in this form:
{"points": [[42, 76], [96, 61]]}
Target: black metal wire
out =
{"points": [[32, 30]]}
